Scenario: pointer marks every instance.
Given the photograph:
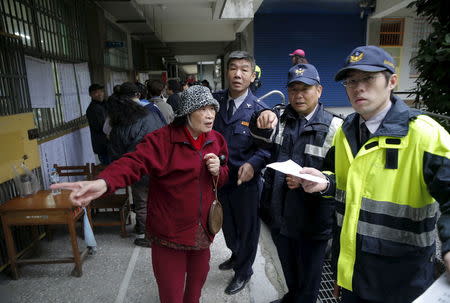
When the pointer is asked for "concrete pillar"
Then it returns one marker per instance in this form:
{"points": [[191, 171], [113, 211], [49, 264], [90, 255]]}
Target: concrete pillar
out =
{"points": [[96, 33]]}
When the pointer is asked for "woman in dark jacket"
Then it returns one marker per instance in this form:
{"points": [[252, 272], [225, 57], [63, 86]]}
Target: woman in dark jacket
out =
{"points": [[182, 160], [130, 122]]}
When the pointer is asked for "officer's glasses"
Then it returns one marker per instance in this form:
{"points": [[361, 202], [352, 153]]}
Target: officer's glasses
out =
{"points": [[349, 83]]}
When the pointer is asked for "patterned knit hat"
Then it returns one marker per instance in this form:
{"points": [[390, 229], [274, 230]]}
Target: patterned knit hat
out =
{"points": [[194, 98]]}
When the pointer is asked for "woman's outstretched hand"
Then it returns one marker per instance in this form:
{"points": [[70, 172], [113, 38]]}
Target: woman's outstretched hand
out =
{"points": [[83, 192]]}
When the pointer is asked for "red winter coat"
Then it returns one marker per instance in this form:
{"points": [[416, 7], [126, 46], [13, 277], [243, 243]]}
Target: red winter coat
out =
{"points": [[181, 190]]}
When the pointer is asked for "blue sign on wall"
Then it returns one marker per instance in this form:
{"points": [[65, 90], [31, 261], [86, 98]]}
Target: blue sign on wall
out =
{"points": [[114, 44]]}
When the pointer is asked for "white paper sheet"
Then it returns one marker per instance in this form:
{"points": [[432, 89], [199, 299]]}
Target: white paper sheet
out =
{"points": [[68, 87], [83, 80], [289, 167], [40, 83], [72, 149], [52, 152], [438, 292]]}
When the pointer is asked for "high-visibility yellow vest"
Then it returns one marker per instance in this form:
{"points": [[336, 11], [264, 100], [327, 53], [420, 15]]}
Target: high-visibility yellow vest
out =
{"points": [[364, 183]]}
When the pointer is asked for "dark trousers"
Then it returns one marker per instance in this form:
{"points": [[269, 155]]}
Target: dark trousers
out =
{"points": [[302, 262], [180, 274], [241, 224], [139, 191]]}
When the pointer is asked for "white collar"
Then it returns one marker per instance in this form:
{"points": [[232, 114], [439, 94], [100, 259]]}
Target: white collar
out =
{"points": [[309, 116], [374, 122], [238, 101]]}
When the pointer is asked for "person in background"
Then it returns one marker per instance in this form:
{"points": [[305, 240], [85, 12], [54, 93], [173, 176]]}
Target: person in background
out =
{"points": [[155, 89], [390, 175], [194, 83], [300, 223], [182, 161], [240, 197], [257, 83], [96, 115], [206, 83], [298, 57], [116, 89], [174, 92], [143, 95], [184, 85], [130, 121]]}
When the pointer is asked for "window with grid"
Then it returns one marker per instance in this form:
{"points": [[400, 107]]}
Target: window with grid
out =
{"points": [[391, 32], [54, 31], [391, 39], [422, 29]]}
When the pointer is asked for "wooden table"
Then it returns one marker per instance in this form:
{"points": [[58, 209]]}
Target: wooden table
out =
{"points": [[42, 208]]}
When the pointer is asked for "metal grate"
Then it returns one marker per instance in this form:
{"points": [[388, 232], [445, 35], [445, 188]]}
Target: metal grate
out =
{"points": [[8, 189], [391, 32], [422, 29], [326, 285], [17, 19], [49, 28], [23, 235], [52, 30], [14, 96]]}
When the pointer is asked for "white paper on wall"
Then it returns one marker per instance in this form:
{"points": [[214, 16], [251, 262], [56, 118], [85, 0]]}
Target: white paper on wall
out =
{"points": [[84, 81], [41, 83], [88, 153], [72, 149], [52, 152], [68, 90], [115, 78]]}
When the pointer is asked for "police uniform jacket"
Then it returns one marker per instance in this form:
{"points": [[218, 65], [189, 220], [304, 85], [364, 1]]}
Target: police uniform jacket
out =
{"points": [[295, 212], [241, 145], [388, 194]]}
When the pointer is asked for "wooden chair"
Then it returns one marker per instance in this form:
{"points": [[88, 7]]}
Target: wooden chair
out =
{"points": [[72, 171], [113, 210]]}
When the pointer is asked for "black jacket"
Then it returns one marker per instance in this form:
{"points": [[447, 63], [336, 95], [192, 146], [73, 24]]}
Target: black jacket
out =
{"points": [[174, 100], [96, 115], [294, 212], [125, 138]]}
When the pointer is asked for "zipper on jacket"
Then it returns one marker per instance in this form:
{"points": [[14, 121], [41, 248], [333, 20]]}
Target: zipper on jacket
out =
{"points": [[200, 177], [200, 153], [200, 189]]}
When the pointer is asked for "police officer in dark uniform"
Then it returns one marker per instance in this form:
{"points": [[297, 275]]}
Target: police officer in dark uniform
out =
{"points": [[240, 197], [300, 223]]}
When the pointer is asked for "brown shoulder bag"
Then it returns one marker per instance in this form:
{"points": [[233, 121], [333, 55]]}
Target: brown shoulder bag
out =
{"points": [[215, 215]]}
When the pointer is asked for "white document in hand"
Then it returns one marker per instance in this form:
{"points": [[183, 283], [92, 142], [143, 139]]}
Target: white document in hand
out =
{"points": [[439, 291], [289, 167]]}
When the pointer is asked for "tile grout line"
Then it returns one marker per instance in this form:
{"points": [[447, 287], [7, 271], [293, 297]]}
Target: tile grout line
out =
{"points": [[126, 279]]}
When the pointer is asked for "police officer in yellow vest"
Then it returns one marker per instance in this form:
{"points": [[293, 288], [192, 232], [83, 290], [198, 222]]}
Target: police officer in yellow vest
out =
{"points": [[390, 176]]}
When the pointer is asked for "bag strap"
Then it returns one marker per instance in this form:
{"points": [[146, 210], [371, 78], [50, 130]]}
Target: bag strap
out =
{"points": [[215, 182]]}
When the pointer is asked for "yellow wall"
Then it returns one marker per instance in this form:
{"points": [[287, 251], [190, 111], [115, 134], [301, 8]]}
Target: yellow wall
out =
{"points": [[14, 144]]}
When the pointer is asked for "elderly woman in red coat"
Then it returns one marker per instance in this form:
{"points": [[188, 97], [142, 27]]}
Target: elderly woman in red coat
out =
{"points": [[182, 160]]}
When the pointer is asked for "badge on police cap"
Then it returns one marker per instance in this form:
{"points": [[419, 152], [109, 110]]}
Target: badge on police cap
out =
{"points": [[356, 56], [299, 72]]}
